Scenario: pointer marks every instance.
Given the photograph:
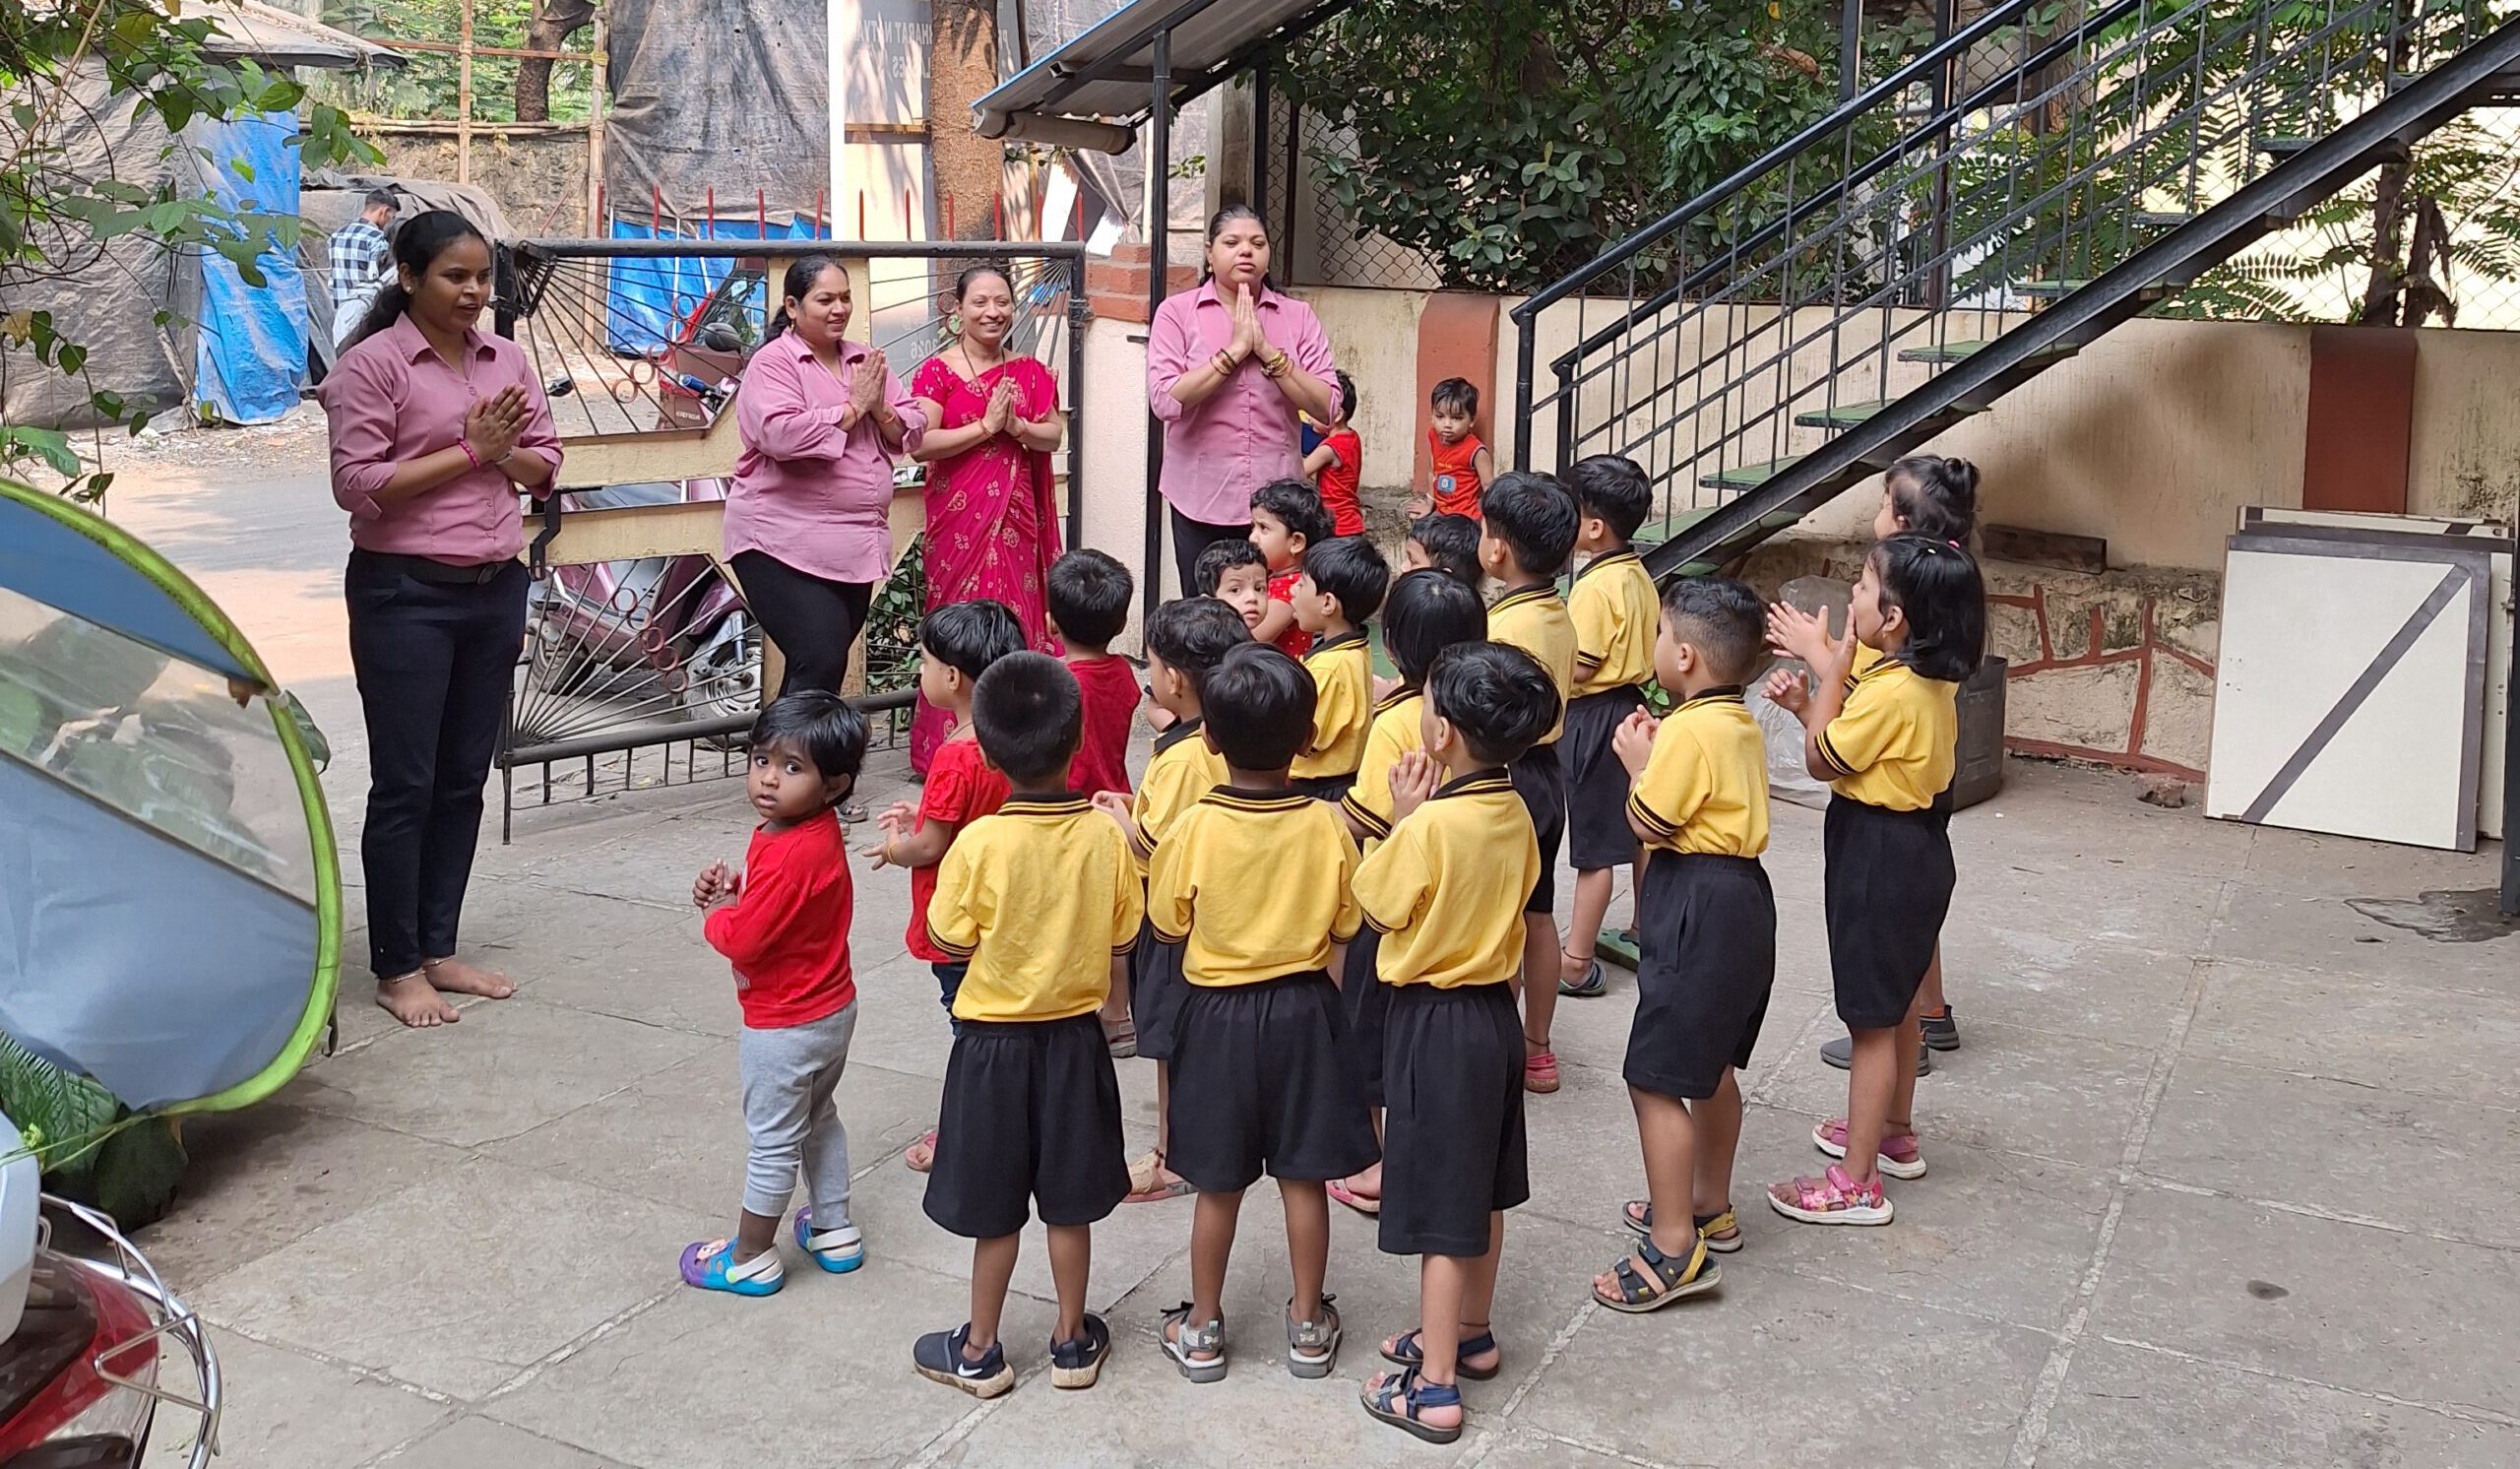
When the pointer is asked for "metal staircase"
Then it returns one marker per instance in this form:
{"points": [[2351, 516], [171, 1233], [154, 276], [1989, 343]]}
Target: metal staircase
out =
{"points": [[1939, 241]]}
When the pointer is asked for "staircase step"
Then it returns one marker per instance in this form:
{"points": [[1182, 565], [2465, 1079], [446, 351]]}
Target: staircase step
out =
{"points": [[2159, 219], [1944, 354], [1851, 414], [1749, 476], [2285, 150], [2055, 290]]}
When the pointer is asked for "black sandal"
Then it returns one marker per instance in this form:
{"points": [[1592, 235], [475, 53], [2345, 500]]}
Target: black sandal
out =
{"points": [[1407, 1351], [1672, 1279], [1400, 1397]]}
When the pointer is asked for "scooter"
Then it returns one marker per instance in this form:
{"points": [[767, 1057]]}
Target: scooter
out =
{"points": [[81, 1340]]}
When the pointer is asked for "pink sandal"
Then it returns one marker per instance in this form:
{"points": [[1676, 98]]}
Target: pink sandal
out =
{"points": [[1901, 1156], [1363, 1203], [1540, 1071], [1835, 1198]]}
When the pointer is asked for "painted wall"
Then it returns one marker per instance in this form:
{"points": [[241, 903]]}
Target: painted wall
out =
{"points": [[2465, 457]]}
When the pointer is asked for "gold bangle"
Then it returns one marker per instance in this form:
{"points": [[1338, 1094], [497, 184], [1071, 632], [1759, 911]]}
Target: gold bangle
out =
{"points": [[1275, 367]]}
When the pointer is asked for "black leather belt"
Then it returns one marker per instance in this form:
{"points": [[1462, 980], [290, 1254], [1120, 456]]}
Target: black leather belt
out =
{"points": [[438, 573]]}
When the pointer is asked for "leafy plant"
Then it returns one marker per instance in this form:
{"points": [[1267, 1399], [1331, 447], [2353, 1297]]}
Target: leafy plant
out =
{"points": [[58, 215], [430, 84], [1509, 141]]}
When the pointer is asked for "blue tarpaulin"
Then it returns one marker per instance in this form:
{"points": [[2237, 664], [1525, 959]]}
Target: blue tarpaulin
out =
{"points": [[652, 298], [251, 341]]}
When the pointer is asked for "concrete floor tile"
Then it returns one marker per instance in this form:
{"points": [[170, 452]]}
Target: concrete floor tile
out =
{"points": [[461, 1280], [2328, 935], [2044, 908], [2390, 1155], [1777, 1358], [479, 1443], [2340, 1303], [1128, 1246], [2301, 861], [2371, 1032], [259, 1178], [901, 1027], [2010, 1090], [577, 936], [664, 975], [1518, 1449], [2123, 1406], [678, 1136], [511, 1066], [285, 1410], [2026, 976], [817, 1374], [651, 861], [1994, 1234]]}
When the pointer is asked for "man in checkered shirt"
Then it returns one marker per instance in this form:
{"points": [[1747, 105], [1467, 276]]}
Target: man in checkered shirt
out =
{"points": [[361, 258]]}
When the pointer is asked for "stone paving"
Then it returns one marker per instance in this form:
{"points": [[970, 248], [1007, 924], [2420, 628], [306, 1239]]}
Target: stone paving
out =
{"points": [[2216, 1181]]}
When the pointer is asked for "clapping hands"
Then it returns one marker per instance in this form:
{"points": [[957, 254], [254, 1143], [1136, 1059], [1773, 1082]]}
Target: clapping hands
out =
{"points": [[715, 887]]}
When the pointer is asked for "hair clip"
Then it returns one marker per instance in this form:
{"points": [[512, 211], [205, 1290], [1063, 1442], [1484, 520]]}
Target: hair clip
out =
{"points": [[1954, 545]]}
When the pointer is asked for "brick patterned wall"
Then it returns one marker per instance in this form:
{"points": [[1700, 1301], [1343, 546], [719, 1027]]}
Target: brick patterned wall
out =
{"points": [[2116, 668], [1116, 289]]}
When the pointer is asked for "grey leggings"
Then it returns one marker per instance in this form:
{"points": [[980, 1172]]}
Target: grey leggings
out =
{"points": [[788, 1077]]}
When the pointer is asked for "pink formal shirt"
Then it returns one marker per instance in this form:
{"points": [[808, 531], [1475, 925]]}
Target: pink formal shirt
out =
{"points": [[805, 493], [391, 400], [1244, 434]]}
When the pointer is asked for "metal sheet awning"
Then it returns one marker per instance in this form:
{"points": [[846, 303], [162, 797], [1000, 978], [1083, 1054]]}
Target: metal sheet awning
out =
{"points": [[1094, 91], [281, 38]]}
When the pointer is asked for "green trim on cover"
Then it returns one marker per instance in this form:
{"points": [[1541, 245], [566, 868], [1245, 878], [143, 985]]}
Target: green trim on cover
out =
{"points": [[160, 572]]}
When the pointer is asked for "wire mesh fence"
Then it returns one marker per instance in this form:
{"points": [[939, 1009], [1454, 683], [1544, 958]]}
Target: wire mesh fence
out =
{"points": [[1327, 244]]}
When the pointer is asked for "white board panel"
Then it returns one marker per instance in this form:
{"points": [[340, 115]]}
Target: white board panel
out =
{"points": [[2348, 688]]}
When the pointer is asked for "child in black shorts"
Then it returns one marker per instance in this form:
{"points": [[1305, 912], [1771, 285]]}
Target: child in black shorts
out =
{"points": [[1446, 891], [1526, 533], [1042, 901], [1255, 883], [1885, 739], [1612, 607], [1706, 932], [1342, 585]]}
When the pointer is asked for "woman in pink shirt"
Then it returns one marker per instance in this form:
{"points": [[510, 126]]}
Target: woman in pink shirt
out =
{"points": [[1229, 367], [808, 520], [435, 428]]}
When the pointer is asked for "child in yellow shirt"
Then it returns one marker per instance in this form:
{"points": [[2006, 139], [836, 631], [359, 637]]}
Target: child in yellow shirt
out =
{"points": [[1341, 587]]}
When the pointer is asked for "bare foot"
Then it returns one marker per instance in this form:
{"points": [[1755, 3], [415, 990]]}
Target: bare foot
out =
{"points": [[413, 1002], [456, 977]]}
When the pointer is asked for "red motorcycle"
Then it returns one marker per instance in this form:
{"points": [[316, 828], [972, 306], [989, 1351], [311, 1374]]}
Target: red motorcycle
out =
{"points": [[81, 1339]]}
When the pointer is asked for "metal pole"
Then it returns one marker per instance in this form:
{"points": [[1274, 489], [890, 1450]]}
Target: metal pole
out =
{"points": [[1524, 348], [1850, 48], [2510, 901], [1260, 140], [1159, 266], [1076, 322], [1940, 284]]}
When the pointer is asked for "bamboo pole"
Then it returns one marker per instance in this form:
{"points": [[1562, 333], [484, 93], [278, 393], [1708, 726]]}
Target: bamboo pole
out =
{"points": [[463, 99]]}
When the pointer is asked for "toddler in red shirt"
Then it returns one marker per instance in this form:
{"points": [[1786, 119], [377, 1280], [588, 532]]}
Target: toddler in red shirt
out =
{"points": [[1337, 465], [956, 645], [784, 924], [1089, 598], [1460, 465], [1286, 515]]}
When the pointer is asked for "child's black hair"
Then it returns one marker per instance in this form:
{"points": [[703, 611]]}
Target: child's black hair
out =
{"points": [[1350, 569], [1614, 487], [1534, 516], [1222, 556], [1936, 497], [1457, 395], [1194, 634], [1347, 398], [1298, 506], [1028, 715], [1723, 620], [1937, 585], [1089, 595], [1452, 544], [970, 636], [1258, 703], [1497, 696], [1426, 612], [826, 728]]}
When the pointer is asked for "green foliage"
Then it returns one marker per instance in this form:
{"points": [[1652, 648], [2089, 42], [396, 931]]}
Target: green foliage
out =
{"points": [[430, 84], [61, 1116], [891, 622], [56, 217], [1510, 141]]}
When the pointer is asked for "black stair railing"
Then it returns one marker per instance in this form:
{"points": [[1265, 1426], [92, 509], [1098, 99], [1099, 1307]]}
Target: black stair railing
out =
{"points": [[1815, 297]]}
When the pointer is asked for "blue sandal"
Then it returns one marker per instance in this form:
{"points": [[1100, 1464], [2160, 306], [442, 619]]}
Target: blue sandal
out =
{"points": [[712, 1267], [1400, 1397], [838, 1250], [1405, 1352]]}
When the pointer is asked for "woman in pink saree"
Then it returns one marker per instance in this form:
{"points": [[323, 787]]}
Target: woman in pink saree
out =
{"points": [[993, 520]]}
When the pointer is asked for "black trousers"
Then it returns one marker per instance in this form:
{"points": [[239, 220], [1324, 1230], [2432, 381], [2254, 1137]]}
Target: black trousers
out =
{"points": [[435, 662], [1191, 536], [813, 620]]}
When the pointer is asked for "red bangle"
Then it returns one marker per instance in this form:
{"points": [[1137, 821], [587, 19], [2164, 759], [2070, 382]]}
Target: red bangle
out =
{"points": [[465, 445]]}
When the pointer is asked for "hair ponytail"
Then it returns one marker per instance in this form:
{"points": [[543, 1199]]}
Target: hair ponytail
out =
{"points": [[1937, 586], [802, 273], [416, 246], [1936, 497]]}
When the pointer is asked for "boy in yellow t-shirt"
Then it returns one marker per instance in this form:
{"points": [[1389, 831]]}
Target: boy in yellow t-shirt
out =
{"points": [[1525, 538], [1446, 892], [1706, 932], [1341, 587], [1612, 607], [1043, 902], [1256, 882]]}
